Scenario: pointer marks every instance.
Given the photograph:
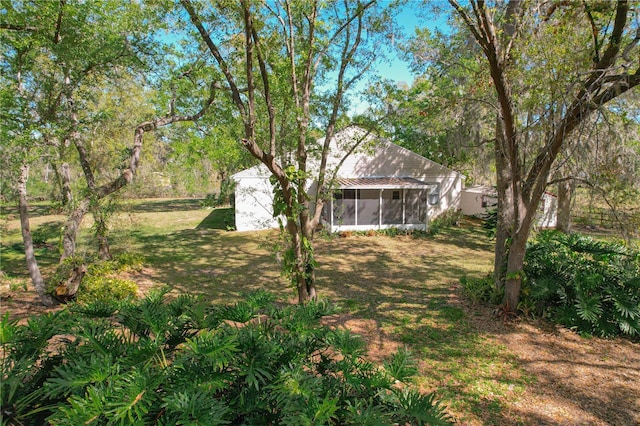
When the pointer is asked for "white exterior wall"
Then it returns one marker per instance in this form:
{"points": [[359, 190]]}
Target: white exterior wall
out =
{"points": [[381, 158], [471, 200], [471, 203], [548, 212], [374, 158], [253, 202]]}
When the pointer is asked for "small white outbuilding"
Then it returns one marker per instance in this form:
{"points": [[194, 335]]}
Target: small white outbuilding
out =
{"points": [[379, 185], [477, 200]]}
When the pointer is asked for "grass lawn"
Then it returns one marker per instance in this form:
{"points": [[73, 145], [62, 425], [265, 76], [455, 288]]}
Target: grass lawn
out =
{"points": [[393, 291]]}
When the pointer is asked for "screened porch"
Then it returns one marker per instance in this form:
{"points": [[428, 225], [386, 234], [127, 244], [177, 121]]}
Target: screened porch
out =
{"points": [[379, 203]]}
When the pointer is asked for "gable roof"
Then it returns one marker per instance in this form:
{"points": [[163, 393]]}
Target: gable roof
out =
{"points": [[257, 171], [375, 157]]}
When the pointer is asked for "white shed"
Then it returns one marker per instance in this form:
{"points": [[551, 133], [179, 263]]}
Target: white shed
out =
{"points": [[548, 211], [254, 199], [476, 200], [380, 185]]}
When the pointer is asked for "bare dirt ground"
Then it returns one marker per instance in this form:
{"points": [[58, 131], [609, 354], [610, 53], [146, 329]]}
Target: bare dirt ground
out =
{"points": [[578, 380]]}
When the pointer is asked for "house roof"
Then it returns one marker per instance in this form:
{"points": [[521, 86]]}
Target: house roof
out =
{"points": [[379, 182], [481, 189], [257, 171], [374, 156]]}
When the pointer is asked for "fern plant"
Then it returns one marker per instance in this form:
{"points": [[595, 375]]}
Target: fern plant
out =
{"points": [[161, 361]]}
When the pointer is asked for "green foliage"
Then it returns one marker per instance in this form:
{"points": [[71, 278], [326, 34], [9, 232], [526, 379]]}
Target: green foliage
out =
{"points": [[102, 289], [168, 362], [100, 283], [128, 262], [588, 285], [447, 219], [490, 222], [481, 290], [222, 197]]}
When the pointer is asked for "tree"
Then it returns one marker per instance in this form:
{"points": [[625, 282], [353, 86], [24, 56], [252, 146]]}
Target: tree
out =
{"points": [[521, 40], [445, 114], [600, 167], [288, 68], [56, 58]]}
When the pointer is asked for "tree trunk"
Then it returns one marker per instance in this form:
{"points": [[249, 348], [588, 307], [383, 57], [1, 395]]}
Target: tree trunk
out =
{"points": [[101, 231], [32, 263], [505, 212], [298, 266], [104, 252], [310, 268], [71, 229], [67, 290], [65, 184], [565, 193], [515, 263]]}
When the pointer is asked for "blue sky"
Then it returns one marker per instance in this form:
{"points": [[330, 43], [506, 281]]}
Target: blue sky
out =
{"points": [[398, 70]]}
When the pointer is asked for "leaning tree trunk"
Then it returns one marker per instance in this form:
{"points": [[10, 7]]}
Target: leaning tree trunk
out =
{"points": [[71, 229], [32, 263]]}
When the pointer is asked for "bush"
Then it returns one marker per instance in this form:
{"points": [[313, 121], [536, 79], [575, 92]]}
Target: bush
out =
{"points": [[223, 197], [167, 362], [100, 288], [490, 222], [481, 290], [100, 282], [447, 219], [590, 286]]}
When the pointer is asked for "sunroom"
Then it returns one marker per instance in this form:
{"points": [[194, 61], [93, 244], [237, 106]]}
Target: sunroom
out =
{"points": [[360, 204]]}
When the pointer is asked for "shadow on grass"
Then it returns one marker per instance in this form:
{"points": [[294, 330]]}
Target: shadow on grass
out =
{"points": [[408, 286], [218, 264], [46, 237], [219, 218], [36, 209], [164, 205]]}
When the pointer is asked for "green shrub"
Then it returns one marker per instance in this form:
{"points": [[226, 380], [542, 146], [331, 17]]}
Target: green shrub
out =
{"points": [[588, 285], [128, 262], [223, 197], [447, 219], [490, 222], [167, 362], [102, 288], [100, 282], [481, 290]]}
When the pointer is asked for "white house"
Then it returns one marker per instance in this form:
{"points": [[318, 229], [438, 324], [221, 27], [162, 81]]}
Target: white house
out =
{"points": [[379, 185], [476, 200]]}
